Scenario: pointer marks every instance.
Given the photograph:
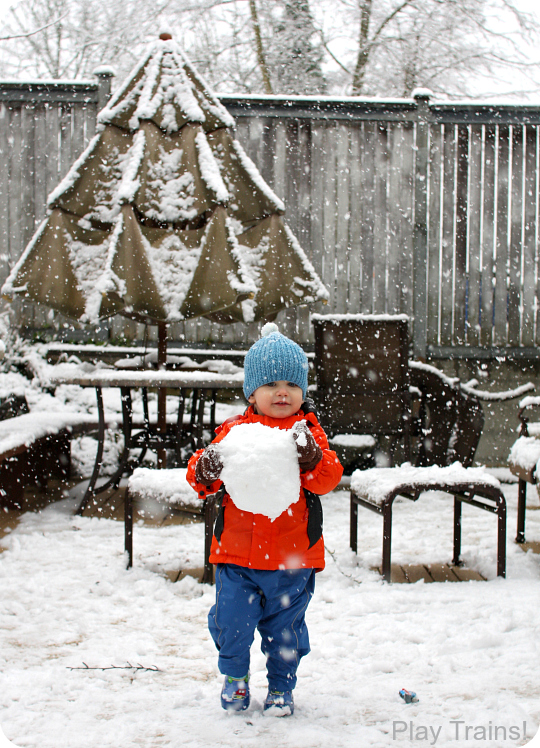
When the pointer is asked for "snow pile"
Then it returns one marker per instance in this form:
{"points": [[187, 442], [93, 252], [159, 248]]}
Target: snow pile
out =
{"points": [[260, 468]]}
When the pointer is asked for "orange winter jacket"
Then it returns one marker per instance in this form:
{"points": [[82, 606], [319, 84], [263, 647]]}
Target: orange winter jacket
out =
{"points": [[293, 540]]}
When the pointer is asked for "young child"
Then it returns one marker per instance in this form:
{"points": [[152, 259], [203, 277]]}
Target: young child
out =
{"points": [[265, 572]]}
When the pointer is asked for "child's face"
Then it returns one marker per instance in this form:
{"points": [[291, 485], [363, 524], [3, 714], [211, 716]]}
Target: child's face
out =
{"points": [[277, 399]]}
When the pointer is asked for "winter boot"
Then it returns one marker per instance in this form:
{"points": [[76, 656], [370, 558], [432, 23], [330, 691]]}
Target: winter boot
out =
{"points": [[280, 702], [235, 693]]}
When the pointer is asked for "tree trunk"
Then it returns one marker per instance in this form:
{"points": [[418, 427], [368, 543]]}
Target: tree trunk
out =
{"points": [[363, 47], [259, 46]]}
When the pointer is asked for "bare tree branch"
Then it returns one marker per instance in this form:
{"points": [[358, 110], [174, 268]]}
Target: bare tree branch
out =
{"points": [[365, 44], [33, 33], [332, 55]]}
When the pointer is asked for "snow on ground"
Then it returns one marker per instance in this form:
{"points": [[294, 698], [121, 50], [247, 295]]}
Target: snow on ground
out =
{"points": [[470, 650]]}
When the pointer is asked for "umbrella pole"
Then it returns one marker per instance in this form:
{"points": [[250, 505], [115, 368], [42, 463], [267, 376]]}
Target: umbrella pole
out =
{"points": [[162, 394]]}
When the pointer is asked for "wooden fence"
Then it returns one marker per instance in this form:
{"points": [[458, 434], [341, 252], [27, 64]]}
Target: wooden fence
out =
{"points": [[407, 207]]}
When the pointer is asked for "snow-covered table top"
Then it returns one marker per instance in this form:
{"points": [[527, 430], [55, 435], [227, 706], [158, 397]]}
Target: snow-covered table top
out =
{"points": [[166, 486], [377, 483], [179, 379]]}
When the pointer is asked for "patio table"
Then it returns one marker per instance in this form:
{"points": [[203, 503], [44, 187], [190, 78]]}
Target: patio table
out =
{"points": [[201, 386]]}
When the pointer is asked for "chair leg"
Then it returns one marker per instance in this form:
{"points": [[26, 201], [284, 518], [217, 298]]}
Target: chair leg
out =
{"points": [[522, 501], [354, 526], [128, 527], [501, 537], [457, 532], [387, 541]]}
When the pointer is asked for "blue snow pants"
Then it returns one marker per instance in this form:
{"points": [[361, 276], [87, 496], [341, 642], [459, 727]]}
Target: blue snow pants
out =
{"points": [[275, 603]]}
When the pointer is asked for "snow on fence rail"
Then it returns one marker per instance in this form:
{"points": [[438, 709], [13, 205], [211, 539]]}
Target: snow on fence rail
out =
{"points": [[404, 206]]}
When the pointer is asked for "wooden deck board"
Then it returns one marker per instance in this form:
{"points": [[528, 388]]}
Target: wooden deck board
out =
{"points": [[533, 546], [467, 575], [442, 573], [412, 573]]}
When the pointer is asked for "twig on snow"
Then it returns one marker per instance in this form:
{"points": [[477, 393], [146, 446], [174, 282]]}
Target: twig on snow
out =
{"points": [[129, 666], [349, 576]]}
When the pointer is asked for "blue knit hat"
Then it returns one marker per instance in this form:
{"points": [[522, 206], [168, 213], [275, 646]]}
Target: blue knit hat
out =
{"points": [[274, 358]]}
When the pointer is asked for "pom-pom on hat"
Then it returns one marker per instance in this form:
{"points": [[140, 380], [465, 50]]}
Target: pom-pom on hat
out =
{"points": [[274, 358]]}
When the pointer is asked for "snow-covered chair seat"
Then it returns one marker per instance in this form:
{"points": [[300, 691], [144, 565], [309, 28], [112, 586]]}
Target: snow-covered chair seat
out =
{"points": [[524, 458], [33, 447], [377, 488], [169, 488]]}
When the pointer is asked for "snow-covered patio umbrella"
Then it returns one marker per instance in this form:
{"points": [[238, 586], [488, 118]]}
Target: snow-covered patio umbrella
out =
{"points": [[164, 217]]}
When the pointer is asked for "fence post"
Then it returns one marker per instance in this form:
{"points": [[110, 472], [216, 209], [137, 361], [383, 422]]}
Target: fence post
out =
{"points": [[420, 233], [104, 76]]}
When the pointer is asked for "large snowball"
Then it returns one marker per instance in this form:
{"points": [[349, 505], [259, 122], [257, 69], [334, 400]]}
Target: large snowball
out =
{"points": [[260, 468]]}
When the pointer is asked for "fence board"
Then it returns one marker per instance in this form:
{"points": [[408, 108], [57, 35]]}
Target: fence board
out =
{"points": [[536, 320], [41, 155], [342, 208], [292, 177], [367, 217], [329, 215], [489, 239], [475, 183], [303, 324], [380, 238], [355, 227], [16, 187], [78, 138], [5, 150], [318, 163], [406, 212], [460, 288], [395, 246], [65, 155], [447, 236], [527, 280], [515, 231], [52, 126], [435, 186], [502, 163]]}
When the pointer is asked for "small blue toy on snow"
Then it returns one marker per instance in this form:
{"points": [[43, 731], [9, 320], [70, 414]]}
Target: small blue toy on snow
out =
{"points": [[409, 697]]}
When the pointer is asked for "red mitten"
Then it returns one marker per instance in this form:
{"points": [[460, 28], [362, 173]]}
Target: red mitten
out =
{"points": [[309, 452], [209, 466]]}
